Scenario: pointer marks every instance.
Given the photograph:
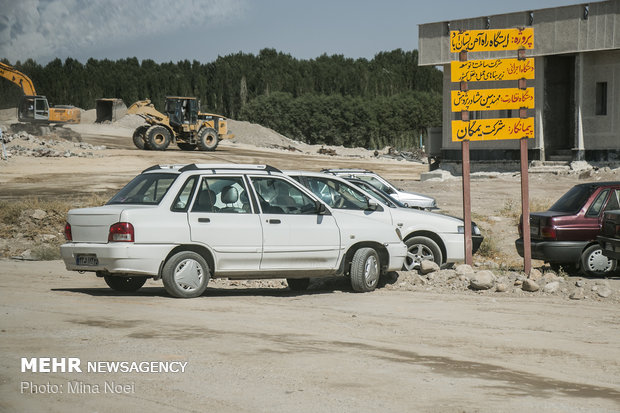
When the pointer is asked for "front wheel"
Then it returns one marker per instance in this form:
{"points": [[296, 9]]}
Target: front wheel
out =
{"points": [[124, 284], [207, 139], [365, 270], [594, 263], [139, 136], [158, 138], [419, 249], [186, 275]]}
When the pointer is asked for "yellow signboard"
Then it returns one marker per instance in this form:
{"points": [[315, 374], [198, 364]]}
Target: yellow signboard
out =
{"points": [[492, 99], [491, 40], [493, 69], [492, 129]]}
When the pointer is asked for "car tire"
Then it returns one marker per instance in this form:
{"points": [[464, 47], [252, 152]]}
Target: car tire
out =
{"points": [[421, 248], [186, 275], [207, 139], [365, 270], [124, 284], [158, 138], [594, 263], [139, 136], [298, 284]]}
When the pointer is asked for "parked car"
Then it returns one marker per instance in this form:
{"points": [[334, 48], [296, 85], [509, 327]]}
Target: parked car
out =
{"points": [[610, 233], [409, 199], [566, 234], [187, 224], [428, 235]]}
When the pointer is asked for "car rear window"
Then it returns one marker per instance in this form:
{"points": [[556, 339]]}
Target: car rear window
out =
{"points": [[144, 189], [572, 201]]}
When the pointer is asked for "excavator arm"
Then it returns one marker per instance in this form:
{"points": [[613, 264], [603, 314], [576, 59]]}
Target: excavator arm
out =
{"points": [[18, 78]]}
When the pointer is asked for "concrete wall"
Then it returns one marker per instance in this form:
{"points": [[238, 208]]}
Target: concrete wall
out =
{"points": [[600, 132], [556, 31]]}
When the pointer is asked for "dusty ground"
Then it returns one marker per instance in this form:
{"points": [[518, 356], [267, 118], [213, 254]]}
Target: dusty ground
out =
{"points": [[259, 347]]}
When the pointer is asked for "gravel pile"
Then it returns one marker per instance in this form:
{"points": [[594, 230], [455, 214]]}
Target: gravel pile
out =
{"points": [[25, 144]]}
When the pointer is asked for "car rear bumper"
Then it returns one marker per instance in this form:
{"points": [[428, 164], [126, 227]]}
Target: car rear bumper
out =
{"points": [[610, 246], [119, 258], [554, 251]]}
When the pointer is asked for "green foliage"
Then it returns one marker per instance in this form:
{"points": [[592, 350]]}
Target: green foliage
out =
{"points": [[388, 100]]}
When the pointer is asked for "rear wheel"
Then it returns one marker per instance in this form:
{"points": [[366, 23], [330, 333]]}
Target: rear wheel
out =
{"points": [[207, 139], [594, 263], [139, 136], [186, 275], [298, 284], [365, 270], [186, 146], [419, 249], [158, 137], [125, 284]]}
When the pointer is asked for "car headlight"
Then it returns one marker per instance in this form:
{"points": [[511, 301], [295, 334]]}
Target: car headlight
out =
{"points": [[474, 229]]}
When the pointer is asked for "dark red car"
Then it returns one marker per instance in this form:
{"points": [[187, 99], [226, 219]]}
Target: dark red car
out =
{"points": [[565, 235]]}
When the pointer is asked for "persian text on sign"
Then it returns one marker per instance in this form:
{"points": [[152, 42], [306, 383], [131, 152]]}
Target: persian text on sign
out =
{"points": [[492, 129], [491, 40], [492, 99], [493, 69]]}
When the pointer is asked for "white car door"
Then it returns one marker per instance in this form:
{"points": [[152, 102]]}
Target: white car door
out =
{"points": [[222, 218], [295, 235]]}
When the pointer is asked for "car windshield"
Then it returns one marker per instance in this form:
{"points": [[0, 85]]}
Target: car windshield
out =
{"points": [[572, 201], [144, 189], [388, 200]]}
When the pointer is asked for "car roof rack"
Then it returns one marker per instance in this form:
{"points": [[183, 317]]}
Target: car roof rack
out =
{"points": [[230, 167], [165, 166], [344, 170]]}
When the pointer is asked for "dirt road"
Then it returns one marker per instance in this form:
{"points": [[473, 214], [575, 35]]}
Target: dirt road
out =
{"points": [[271, 350]]}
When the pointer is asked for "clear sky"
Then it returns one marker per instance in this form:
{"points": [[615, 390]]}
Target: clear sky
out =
{"points": [[173, 30]]}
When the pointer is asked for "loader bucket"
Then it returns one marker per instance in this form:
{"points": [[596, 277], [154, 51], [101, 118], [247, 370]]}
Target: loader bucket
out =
{"points": [[110, 110]]}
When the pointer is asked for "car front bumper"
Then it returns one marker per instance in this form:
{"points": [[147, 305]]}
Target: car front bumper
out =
{"points": [[116, 258], [398, 253], [554, 251], [610, 246]]}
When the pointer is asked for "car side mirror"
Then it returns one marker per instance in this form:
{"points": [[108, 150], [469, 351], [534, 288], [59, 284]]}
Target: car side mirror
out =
{"points": [[373, 205], [390, 190], [321, 209]]}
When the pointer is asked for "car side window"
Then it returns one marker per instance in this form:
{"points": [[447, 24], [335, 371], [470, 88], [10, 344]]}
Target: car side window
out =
{"points": [[222, 195], [277, 196], [376, 183], [597, 205], [181, 202], [337, 195], [614, 201]]}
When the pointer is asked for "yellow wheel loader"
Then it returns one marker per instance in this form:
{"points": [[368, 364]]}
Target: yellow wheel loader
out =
{"points": [[181, 123]]}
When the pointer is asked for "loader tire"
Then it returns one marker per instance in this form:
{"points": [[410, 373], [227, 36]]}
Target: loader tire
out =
{"points": [[139, 136], [158, 138], [207, 139]]}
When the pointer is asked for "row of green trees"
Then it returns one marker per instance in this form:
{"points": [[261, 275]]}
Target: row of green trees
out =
{"points": [[388, 100]]}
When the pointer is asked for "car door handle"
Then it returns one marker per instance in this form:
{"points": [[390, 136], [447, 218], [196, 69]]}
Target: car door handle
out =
{"points": [[204, 220], [274, 221]]}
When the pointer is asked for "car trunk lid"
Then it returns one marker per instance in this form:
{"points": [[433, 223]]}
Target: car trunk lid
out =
{"points": [[93, 224]]}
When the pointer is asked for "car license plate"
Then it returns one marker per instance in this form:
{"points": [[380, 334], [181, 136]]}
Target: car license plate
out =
{"points": [[87, 260]]}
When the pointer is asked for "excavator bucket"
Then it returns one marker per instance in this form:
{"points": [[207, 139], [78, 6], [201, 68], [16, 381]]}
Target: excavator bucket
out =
{"points": [[110, 109]]}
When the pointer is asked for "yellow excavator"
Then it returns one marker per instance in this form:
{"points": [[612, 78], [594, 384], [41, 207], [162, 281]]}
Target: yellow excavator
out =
{"points": [[181, 123], [34, 108]]}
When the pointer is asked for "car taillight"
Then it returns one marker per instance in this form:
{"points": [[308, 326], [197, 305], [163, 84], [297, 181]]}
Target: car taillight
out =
{"points": [[548, 232], [617, 230], [68, 235], [121, 232]]}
